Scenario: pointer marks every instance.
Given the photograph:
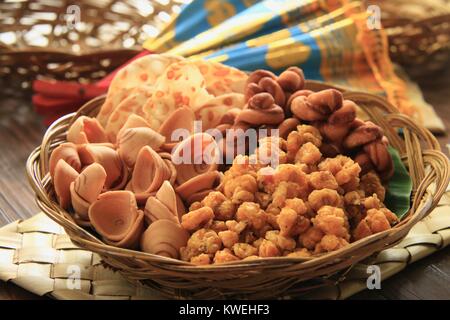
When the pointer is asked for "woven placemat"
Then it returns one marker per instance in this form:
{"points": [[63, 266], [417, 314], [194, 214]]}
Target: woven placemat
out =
{"points": [[38, 256]]}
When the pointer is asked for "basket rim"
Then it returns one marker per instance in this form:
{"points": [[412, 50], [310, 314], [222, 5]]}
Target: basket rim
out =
{"points": [[427, 202]]}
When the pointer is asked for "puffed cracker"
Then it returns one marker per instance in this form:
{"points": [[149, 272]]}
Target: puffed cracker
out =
{"points": [[133, 104], [221, 79], [182, 84], [142, 71], [213, 110]]}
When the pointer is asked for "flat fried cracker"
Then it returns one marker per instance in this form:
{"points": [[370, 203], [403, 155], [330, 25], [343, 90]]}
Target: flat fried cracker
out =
{"points": [[221, 79], [181, 85], [142, 71], [212, 112]]}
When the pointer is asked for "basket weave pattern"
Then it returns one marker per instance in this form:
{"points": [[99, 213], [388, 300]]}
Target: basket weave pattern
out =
{"points": [[418, 33], [262, 278], [39, 37]]}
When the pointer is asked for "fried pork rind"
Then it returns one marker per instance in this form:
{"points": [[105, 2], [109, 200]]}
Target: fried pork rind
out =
{"points": [[223, 208], [252, 215], [324, 197], [268, 249], [201, 259], [270, 150], [235, 226], [300, 253], [283, 243], [323, 180], [311, 237], [229, 238], [308, 154], [241, 188], [303, 135], [288, 181], [354, 198], [244, 250], [218, 226], [377, 220], [343, 168], [292, 219], [224, 256], [332, 220], [330, 242], [371, 183], [372, 202], [197, 218], [202, 241]]}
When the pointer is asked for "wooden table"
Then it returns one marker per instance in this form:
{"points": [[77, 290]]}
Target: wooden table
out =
{"points": [[21, 131]]}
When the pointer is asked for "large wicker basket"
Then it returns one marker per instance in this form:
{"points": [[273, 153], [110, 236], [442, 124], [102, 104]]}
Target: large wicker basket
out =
{"points": [[269, 277]]}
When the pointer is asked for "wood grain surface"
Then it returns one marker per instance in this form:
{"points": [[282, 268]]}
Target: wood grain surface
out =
{"points": [[21, 131]]}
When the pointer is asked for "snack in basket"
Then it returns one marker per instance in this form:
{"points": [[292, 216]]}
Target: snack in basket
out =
{"points": [[143, 176]]}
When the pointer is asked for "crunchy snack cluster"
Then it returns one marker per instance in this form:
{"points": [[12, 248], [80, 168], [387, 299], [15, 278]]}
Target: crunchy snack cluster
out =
{"points": [[307, 205]]}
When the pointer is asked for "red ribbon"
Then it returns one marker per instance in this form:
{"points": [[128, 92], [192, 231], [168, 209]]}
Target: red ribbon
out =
{"points": [[53, 98]]}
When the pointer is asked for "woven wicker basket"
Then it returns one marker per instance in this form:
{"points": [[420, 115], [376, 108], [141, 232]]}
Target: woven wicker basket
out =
{"points": [[269, 277], [418, 33]]}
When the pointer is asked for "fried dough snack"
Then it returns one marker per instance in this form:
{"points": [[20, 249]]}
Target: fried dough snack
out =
{"points": [[280, 87], [266, 96], [342, 131]]}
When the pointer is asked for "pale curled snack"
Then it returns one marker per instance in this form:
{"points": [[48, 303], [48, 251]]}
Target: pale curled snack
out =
{"points": [[134, 121], [149, 173], [194, 156], [115, 216], [165, 238], [108, 158], [86, 130], [64, 176], [85, 189], [68, 152], [182, 119], [130, 141], [164, 205]]}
